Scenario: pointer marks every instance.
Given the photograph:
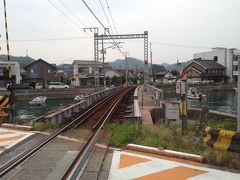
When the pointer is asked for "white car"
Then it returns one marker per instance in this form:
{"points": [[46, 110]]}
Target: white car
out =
{"points": [[57, 85]]}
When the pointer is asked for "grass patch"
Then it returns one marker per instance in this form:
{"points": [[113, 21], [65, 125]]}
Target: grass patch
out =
{"points": [[168, 137], [39, 126], [227, 124]]}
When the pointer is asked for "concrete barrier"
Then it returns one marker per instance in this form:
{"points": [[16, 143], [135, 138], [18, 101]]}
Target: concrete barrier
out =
{"points": [[165, 152], [60, 115], [137, 112]]}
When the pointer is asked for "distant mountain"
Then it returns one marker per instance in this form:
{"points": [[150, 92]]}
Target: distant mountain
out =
{"points": [[165, 65], [133, 63], [174, 66], [23, 61]]}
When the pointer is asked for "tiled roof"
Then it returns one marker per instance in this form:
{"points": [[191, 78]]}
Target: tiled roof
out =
{"points": [[209, 64]]}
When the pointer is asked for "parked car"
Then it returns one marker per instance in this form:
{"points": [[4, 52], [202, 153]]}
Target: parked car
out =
{"points": [[19, 86], [57, 85], [38, 86]]}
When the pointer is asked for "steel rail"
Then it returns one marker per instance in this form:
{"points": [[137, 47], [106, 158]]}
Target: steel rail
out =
{"points": [[75, 169], [20, 158]]}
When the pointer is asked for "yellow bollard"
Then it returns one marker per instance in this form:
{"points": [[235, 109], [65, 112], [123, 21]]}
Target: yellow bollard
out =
{"points": [[219, 156]]}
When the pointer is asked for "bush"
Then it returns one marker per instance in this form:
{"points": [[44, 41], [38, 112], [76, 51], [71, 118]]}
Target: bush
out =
{"points": [[39, 126]]}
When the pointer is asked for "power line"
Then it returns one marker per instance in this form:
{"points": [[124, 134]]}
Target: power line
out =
{"points": [[49, 39], [180, 45], [64, 14], [111, 17], [106, 16], [176, 45], [72, 13], [103, 26], [32, 27]]}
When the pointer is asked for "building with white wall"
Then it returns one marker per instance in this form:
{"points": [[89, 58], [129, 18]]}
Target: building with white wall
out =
{"points": [[15, 72], [83, 72], [225, 57]]}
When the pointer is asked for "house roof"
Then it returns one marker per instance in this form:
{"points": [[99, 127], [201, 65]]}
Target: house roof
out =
{"points": [[162, 73], [209, 64], [54, 67]]}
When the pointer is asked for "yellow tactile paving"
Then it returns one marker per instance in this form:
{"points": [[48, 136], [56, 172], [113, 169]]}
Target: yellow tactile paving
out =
{"points": [[10, 138], [177, 173], [126, 160]]}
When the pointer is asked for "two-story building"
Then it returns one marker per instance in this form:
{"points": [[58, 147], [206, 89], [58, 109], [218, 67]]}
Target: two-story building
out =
{"points": [[205, 70], [84, 72], [40, 71], [165, 77], [226, 57], [15, 72]]}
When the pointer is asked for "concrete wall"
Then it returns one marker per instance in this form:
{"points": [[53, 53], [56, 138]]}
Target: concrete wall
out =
{"points": [[51, 93], [194, 114]]}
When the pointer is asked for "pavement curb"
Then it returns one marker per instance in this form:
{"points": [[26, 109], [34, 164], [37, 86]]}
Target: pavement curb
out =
{"points": [[164, 152]]}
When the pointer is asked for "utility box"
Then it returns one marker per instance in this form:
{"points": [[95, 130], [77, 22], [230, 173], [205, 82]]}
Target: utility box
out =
{"points": [[180, 87], [172, 110]]}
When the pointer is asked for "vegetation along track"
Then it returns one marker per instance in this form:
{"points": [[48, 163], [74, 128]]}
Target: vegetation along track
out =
{"points": [[103, 106]]}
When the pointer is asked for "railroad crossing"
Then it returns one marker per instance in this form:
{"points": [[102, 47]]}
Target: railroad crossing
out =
{"points": [[79, 149]]}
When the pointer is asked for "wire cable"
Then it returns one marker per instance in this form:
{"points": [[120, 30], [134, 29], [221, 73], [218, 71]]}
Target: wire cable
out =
{"points": [[111, 17], [110, 26], [49, 39], [64, 14], [103, 26], [72, 13]]}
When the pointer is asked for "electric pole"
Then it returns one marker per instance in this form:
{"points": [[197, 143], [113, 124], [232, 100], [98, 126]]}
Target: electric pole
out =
{"points": [[151, 59]]}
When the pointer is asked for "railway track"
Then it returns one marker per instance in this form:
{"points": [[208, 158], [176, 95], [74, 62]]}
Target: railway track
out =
{"points": [[95, 117]]}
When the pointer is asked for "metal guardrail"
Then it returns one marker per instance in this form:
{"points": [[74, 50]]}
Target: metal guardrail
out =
{"points": [[156, 94], [60, 115]]}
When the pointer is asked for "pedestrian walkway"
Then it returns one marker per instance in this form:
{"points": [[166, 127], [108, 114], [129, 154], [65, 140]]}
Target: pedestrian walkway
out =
{"points": [[146, 104], [141, 166], [9, 138]]}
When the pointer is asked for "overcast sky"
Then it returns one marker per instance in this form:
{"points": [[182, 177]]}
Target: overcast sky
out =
{"points": [[177, 28]]}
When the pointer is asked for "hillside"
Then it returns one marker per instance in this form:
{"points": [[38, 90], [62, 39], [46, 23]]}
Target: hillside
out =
{"points": [[174, 66], [133, 63], [23, 61]]}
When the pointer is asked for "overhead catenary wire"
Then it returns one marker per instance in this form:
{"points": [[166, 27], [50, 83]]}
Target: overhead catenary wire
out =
{"points": [[73, 14], [111, 17], [110, 26], [102, 26], [64, 14]]}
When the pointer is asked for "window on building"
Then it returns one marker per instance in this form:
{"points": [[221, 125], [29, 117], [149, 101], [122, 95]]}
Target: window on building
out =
{"points": [[33, 71], [215, 58], [49, 70], [84, 70]]}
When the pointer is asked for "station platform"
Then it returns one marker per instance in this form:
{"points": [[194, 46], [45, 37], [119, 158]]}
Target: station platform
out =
{"points": [[9, 138], [146, 104], [128, 164]]}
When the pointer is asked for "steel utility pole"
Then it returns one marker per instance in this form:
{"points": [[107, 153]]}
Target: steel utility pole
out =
{"points": [[238, 120], [126, 69], [103, 52], [96, 78], [151, 59]]}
